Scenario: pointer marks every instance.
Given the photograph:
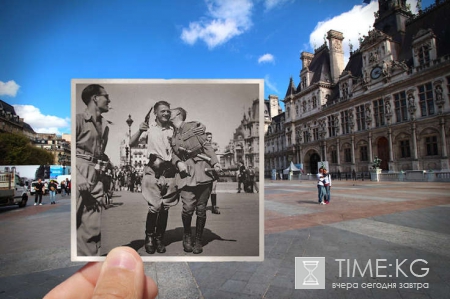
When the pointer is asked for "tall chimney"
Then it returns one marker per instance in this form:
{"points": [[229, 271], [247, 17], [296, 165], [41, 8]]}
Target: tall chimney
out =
{"points": [[335, 39]]}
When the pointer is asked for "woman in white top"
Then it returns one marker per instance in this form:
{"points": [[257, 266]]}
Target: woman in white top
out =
{"points": [[327, 185]]}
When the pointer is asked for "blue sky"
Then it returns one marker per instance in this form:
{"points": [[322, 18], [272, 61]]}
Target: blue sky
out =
{"points": [[45, 44]]}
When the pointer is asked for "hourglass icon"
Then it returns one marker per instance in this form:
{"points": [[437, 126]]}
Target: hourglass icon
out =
{"points": [[310, 279]]}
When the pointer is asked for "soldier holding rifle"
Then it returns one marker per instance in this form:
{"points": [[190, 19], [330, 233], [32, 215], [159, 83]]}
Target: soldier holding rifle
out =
{"points": [[159, 183], [192, 149]]}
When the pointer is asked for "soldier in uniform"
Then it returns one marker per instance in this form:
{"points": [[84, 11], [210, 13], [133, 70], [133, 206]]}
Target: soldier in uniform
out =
{"points": [[91, 138], [197, 154], [159, 187], [241, 176], [215, 147]]}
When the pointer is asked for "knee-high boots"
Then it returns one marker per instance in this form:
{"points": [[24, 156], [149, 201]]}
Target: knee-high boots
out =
{"points": [[214, 208], [200, 225], [150, 232], [187, 239]]}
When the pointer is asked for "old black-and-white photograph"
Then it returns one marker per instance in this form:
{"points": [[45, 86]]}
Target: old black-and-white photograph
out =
{"points": [[171, 168]]}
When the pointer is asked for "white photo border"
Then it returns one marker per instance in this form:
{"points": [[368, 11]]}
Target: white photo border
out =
{"points": [[159, 257]]}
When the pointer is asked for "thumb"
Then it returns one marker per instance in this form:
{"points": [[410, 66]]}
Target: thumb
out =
{"points": [[121, 276]]}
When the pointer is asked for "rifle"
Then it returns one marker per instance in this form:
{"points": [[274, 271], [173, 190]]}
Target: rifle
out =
{"points": [[231, 168], [147, 117]]}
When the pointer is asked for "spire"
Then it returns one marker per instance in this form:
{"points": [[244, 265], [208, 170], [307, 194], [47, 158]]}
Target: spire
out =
{"points": [[291, 88]]}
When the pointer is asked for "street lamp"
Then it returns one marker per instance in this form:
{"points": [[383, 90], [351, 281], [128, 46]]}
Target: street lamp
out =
{"points": [[129, 123]]}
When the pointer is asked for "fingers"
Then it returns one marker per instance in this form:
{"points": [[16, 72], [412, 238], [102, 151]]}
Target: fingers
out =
{"points": [[122, 276]]}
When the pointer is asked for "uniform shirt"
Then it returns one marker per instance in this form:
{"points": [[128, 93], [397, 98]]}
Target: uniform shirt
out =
{"points": [[90, 140], [185, 139], [158, 141]]}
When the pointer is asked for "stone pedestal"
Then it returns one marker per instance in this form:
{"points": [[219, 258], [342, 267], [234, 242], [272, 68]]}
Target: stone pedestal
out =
{"points": [[375, 174]]}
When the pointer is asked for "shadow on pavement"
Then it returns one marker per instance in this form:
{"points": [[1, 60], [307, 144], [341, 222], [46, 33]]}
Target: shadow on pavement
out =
{"points": [[176, 235], [136, 244], [313, 202]]}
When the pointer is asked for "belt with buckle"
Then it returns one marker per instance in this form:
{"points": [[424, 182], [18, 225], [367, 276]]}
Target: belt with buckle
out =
{"points": [[90, 158]]}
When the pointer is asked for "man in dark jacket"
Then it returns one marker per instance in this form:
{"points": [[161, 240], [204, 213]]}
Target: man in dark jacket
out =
{"points": [[242, 175], [39, 189]]}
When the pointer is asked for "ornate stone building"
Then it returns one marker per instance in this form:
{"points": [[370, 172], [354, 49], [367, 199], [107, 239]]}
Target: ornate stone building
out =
{"points": [[10, 122], [391, 100], [244, 146], [275, 151]]}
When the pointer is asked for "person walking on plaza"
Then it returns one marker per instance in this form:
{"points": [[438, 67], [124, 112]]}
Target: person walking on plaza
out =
{"points": [[39, 190], [242, 174], [197, 154], [320, 186], [68, 186], [215, 147], [63, 188], [327, 185], [91, 139], [159, 187], [52, 191], [251, 179]]}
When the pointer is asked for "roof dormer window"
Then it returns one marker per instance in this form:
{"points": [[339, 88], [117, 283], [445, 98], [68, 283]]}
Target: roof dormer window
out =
{"points": [[424, 48]]}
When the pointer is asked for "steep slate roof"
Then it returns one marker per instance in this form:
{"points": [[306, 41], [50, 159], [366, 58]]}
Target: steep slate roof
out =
{"points": [[299, 87], [437, 18], [291, 88], [277, 119], [7, 107], [354, 64], [28, 127], [320, 65]]}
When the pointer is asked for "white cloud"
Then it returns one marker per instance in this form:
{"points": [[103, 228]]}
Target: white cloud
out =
{"points": [[266, 58], [269, 84], [224, 20], [42, 123], [353, 24], [9, 88], [269, 4]]}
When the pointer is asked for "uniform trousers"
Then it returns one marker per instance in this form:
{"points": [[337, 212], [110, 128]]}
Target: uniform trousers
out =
{"points": [[89, 210], [152, 188], [195, 198]]}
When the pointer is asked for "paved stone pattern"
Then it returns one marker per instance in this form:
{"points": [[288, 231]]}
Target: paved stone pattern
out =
{"points": [[235, 232], [365, 220]]}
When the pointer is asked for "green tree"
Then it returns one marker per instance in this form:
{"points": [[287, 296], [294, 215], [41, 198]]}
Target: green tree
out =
{"points": [[16, 149]]}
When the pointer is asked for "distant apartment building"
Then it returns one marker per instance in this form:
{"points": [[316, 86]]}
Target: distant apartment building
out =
{"points": [[10, 122], [59, 147]]}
